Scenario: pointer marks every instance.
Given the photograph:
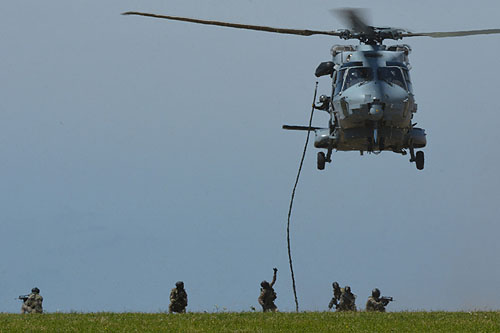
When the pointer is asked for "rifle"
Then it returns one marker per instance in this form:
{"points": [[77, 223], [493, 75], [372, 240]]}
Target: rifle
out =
{"points": [[24, 297], [386, 299], [332, 303]]}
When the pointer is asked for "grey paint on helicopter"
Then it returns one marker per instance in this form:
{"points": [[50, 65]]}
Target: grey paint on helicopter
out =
{"points": [[139, 152]]}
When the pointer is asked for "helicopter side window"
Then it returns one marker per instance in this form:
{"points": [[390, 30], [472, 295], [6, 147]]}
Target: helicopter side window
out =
{"points": [[340, 81], [357, 75], [392, 75]]}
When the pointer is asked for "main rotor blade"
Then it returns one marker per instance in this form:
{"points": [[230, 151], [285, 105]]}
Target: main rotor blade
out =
{"points": [[355, 19], [240, 26], [443, 34]]}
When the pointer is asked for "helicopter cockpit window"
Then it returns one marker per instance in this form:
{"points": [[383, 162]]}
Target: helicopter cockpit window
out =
{"points": [[357, 75], [406, 74], [392, 75], [339, 81]]}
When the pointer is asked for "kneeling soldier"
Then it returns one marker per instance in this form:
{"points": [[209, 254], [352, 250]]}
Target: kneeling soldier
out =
{"points": [[347, 300], [32, 303], [178, 298], [377, 303]]}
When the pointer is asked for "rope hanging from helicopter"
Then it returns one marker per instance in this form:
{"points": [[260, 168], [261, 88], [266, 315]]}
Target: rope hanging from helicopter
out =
{"points": [[291, 201]]}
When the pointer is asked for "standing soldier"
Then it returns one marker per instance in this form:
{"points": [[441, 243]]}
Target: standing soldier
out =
{"points": [[337, 292], [377, 303], [347, 300], [32, 303], [178, 298], [267, 294]]}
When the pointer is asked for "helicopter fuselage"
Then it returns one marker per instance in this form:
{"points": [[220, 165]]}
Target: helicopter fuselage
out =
{"points": [[372, 103]]}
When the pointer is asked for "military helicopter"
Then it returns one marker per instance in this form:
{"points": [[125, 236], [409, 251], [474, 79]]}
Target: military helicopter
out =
{"points": [[372, 104]]}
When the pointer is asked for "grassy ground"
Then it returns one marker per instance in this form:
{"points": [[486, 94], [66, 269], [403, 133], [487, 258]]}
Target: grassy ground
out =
{"points": [[255, 322]]}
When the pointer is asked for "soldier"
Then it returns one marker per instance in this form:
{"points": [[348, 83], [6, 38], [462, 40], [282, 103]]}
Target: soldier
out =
{"points": [[33, 303], [325, 103], [267, 294], [347, 300], [375, 303], [336, 295], [178, 298]]}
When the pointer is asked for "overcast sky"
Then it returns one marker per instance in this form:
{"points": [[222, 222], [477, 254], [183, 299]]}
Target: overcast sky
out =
{"points": [[136, 152]]}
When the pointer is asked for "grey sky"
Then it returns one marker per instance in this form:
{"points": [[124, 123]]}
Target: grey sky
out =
{"points": [[137, 152]]}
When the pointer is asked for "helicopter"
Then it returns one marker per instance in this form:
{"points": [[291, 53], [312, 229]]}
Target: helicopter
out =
{"points": [[372, 105]]}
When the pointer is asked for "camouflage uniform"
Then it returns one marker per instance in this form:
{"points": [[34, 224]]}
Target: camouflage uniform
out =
{"points": [[268, 295], [33, 304], [375, 303], [325, 103], [337, 292], [178, 299], [347, 300]]}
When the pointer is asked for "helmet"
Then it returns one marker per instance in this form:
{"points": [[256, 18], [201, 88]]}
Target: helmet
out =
{"points": [[179, 284], [376, 293], [264, 284], [35, 290], [323, 98], [335, 285], [347, 289]]}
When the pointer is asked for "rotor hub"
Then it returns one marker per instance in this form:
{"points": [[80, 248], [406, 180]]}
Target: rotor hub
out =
{"points": [[374, 36]]}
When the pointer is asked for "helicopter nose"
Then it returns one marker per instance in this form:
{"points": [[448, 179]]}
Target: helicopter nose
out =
{"points": [[376, 111]]}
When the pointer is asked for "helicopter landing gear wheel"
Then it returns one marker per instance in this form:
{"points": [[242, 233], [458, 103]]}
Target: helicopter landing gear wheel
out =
{"points": [[321, 160], [419, 160]]}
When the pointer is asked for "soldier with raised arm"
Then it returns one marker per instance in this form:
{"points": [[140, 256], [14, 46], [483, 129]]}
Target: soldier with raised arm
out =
{"points": [[268, 295], [178, 298]]}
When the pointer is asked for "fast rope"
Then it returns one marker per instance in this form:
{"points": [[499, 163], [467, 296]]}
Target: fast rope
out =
{"points": [[291, 201]]}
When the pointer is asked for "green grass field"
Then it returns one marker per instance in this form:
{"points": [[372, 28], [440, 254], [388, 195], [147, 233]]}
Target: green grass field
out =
{"points": [[254, 322]]}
